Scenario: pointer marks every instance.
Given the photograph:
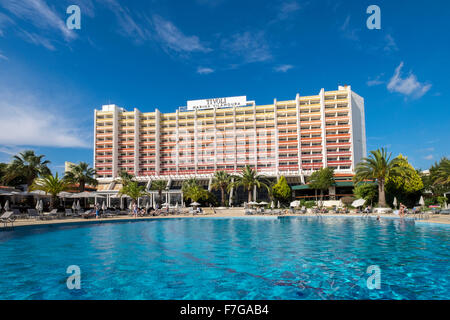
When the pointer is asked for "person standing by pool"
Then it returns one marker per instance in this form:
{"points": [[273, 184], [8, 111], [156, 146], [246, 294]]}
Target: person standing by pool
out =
{"points": [[402, 210], [97, 209], [135, 210]]}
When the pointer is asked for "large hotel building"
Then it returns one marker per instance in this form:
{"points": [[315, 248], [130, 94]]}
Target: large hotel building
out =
{"points": [[290, 138]]}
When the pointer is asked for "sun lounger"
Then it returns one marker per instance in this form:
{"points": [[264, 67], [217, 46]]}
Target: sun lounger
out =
{"points": [[88, 214], [33, 213], [69, 213], [8, 217], [108, 214], [19, 215]]}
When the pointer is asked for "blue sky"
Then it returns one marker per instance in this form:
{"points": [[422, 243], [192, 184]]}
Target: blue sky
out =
{"points": [[159, 54]]}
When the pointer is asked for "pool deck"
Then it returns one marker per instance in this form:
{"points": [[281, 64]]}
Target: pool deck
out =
{"points": [[435, 218]]}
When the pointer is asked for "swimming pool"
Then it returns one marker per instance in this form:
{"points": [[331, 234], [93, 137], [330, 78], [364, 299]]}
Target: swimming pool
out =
{"points": [[229, 258]]}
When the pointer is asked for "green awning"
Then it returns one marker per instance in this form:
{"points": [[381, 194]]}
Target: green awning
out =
{"points": [[336, 184], [344, 184], [300, 187]]}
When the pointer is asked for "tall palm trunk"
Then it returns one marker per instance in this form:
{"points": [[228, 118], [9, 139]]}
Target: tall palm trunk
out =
{"points": [[382, 196], [249, 194], [53, 199], [222, 191]]}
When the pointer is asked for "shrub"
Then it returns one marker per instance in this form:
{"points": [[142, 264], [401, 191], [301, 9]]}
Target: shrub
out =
{"points": [[310, 204], [347, 201]]}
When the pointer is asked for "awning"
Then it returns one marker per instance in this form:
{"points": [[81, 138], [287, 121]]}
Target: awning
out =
{"points": [[336, 184]]}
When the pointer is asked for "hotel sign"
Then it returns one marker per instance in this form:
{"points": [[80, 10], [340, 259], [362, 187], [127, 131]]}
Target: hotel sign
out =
{"points": [[217, 103]]}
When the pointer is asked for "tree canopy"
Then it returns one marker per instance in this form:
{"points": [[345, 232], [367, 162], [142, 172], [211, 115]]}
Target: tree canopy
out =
{"points": [[81, 174], [281, 190], [379, 167], [133, 190], [28, 166], [321, 180]]}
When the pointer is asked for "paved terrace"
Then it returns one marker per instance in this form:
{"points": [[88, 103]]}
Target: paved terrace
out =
{"points": [[234, 212]]}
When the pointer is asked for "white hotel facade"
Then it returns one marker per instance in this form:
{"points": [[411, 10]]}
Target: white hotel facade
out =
{"points": [[291, 138]]}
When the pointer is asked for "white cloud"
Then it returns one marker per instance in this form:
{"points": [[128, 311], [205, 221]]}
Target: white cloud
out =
{"points": [[251, 47], [3, 57], [38, 40], [347, 32], [27, 123], [283, 68], [428, 157], [171, 37], [4, 22], [287, 8], [204, 70], [40, 15], [128, 25], [408, 86], [390, 45], [375, 82]]}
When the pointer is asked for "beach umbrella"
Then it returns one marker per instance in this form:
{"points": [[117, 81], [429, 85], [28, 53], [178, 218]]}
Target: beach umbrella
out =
{"points": [[395, 202], [358, 203], [41, 205], [64, 194], [37, 205], [195, 204], [278, 205], [6, 205], [103, 206], [78, 205], [121, 204], [131, 205], [176, 205], [0, 207], [74, 205], [295, 203], [263, 203], [272, 205], [147, 205], [421, 201]]}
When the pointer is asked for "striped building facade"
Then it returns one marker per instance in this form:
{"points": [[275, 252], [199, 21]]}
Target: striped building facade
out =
{"points": [[291, 138]]}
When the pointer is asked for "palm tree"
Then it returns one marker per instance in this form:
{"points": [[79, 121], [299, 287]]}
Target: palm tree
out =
{"points": [[125, 177], [249, 178], [133, 190], [28, 165], [51, 185], [193, 190], [222, 181], [379, 166], [81, 174], [441, 174], [159, 185]]}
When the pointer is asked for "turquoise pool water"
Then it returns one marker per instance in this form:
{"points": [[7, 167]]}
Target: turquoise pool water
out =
{"points": [[229, 258]]}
